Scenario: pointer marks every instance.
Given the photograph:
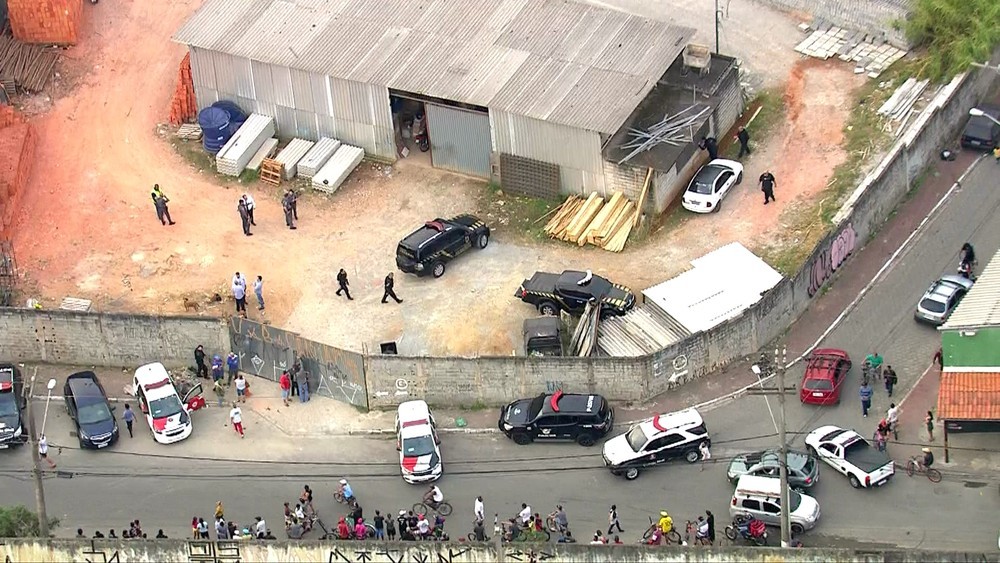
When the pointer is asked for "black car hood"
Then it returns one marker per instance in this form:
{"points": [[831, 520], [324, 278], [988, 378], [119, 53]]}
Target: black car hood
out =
{"points": [[517, 413], [99, 428], [10, 425]]}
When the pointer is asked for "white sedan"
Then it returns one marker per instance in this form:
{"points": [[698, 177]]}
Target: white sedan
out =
{"points": [[711, 184]]}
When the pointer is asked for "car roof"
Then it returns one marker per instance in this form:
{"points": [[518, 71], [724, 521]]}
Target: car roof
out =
{"points": [[428, 232], [570, 280], [414, 419], [946, 287], [84, 384], [10, 376], [572, 403], [663, 423], [766, 486], [542, 326], [822, 366], [151, 378]]}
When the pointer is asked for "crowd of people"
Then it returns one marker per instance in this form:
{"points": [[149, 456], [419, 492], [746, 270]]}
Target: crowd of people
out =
{"points": [[134, 531]]}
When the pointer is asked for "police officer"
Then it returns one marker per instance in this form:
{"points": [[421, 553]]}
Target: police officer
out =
{"points": [[160, 202], [244, 216], [343, 283], [743, 136], [287, 204], [767, 184], [388, 290], [293, 198], [711, 145]]}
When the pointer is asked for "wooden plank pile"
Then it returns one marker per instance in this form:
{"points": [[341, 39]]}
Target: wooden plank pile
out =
{"points": [[593, 221], [28, 66]]}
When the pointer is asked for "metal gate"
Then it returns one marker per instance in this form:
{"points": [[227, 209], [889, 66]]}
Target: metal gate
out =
{"points": [[460, 139]]}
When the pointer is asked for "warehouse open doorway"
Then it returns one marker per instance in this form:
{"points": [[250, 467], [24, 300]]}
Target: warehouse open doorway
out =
{"points": [[457, 136]]}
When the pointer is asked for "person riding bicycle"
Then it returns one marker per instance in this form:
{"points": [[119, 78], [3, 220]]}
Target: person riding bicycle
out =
{"points": [[306, 498], [702, 532], [665, 523], [433, 497], [559, 517], [874, 362], [346, 490], [511, 530], [927, 460]]}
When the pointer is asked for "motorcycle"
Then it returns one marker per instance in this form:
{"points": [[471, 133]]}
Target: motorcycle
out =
{"points": [[749, 529], [420, 133], [967, 270]]}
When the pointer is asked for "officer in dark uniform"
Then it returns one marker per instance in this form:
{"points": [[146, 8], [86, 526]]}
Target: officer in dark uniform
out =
{"points": [[388, 290], [343, 283], [767, 184], [293, 200], [287, 206], [711, 145], [244, 216], [743, 136]]}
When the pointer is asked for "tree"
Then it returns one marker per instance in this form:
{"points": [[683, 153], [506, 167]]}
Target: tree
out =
{"points": [[19, 522], [955, 33]]}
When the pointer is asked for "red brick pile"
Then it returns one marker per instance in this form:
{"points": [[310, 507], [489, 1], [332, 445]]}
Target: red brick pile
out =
{"points": [[17, 150], [54, 22], [183, 107]]}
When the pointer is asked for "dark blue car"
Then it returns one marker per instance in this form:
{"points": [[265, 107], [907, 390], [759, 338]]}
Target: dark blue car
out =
{"points": [[88, 406]]}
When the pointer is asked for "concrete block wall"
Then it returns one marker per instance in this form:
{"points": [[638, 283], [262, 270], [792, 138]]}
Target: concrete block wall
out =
{"points": [[54, 22], [17, 155], [106, 339], [871, 16]]}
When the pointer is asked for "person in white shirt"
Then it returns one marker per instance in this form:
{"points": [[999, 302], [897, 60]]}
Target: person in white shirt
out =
{"points": [[892, 417], [706, 454], [480, 509], [43, 450], [423, 526], [260, 528], [236, 417], [525, 514], [250, 206], [434, 496], [241, 388]]}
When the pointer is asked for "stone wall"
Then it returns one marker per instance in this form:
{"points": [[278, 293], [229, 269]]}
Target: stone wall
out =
{"points": [[169, 551], [875, 17], [106, 339]]}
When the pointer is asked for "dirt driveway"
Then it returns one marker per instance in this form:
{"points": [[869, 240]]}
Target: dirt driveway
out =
{"points": [[88, 229]]}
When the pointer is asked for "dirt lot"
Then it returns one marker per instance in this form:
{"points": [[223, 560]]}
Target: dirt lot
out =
{"points": [[88, 228]]}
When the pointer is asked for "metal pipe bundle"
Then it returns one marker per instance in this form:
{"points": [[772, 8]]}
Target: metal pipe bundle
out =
{"points": [[670, 130]]}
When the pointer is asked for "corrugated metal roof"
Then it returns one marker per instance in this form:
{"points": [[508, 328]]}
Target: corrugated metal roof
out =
{"points": [[981, 306], [555, 60], [969, 396]]}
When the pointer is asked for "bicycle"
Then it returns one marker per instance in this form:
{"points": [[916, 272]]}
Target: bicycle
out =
{"points": [[442, 508], [673, 536], [496, 530], [552, 526], [915, 465], [691, 531]]}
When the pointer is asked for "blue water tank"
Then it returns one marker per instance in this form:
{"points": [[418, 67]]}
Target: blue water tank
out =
{"points": [[236, 115], [214, 124]]}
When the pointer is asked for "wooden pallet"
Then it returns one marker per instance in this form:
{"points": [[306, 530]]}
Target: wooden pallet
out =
{"points": [[189, 132], [270, 171]]}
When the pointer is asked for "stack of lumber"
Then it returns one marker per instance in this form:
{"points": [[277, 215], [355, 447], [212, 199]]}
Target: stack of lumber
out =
{"points": [[592, 221]]}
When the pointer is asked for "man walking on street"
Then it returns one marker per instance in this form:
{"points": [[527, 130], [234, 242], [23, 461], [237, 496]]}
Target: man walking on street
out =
{"points": [[287, 207], [244, 217], [711, 145], [479, 509], [890, 379], [743, 136], [613, 520], [767, 184], [160, 202], [866, 397], [129, 417], [343, 283], [236, 417], [892, 418], [199, 360], [251, 204], [258, 290], [388, 290]]}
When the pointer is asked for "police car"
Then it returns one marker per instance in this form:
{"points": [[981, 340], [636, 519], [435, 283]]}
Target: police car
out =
{"points": [[657, 440], [418, 443], [166, 412], [426, 250], [559, 416], [12, 402]]}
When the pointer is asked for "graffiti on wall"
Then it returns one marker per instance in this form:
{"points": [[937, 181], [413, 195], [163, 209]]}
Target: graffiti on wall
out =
{"points": [[831, 258], [367, 554], [266, 351], [553, 385]]}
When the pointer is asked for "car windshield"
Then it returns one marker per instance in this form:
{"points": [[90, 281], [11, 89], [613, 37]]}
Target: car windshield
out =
{"points": [[794, 500], [418, 446], [932, 305], [818, 385], [636, 438], [164, 407], [8, 404], [702, 184], [93, 413]]}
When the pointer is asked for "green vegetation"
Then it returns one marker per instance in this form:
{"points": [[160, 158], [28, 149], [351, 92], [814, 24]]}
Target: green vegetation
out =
{"points": [[772, 113], [19, 522], [515, 215], [955, 34], [195, 154]]}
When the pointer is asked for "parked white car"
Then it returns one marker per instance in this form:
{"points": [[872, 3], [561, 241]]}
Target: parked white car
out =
{"points": [[711, 184]]}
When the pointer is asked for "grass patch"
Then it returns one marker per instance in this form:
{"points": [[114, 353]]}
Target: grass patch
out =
{"points": [[196, 156], [772, 113], [956, 33], [514, 215]]}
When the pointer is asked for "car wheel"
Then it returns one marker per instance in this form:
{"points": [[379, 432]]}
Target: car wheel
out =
{"points": [[548, 308], [585, 440], [797, 528], [437, 270], [855, 482], [632, 473], [483, 240], [691, 456], [718, 206], [521, 439], [739, 179]]}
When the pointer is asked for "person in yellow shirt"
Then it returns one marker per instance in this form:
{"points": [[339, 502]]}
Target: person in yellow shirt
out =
{"points": [[666, 523]]}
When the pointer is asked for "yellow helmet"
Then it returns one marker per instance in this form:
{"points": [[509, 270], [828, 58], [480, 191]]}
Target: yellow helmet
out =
{"points": [[663, 514]]}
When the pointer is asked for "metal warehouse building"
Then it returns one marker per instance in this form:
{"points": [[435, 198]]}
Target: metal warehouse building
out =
{"points": [[528, 91]]}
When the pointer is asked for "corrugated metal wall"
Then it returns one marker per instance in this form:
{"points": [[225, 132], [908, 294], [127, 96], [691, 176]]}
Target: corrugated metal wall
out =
{"points": [[576, 151], [460, 140], [303, 104]]}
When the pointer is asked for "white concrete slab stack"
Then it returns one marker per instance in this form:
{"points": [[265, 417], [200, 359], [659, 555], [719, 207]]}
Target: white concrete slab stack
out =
{"points": [[317, 157], [263, 152], [236, 154], [338, 168], [291, 155]]}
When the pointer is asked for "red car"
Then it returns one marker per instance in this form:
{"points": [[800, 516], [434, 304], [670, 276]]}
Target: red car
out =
{"points": [[826, 370]]}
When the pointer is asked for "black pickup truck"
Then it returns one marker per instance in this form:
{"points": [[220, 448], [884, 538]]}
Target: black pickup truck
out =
{"points": [[571, 290], [543, 337]]}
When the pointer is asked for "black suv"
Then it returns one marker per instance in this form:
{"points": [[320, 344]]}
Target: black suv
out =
{"points": [[571, 290], [559, 416], [12, 402], [980, 131], [427, 249], [88, 406]]}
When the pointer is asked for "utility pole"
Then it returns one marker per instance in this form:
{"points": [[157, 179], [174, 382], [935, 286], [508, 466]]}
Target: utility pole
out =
{"points": [[778, 370], [43, 517], [717, 27]]}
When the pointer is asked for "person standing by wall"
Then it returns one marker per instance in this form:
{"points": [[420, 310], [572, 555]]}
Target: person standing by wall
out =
{"points": [[240, 295], [233, 363], [285, 383], [929, 422], [303, 388], [241, 388], [199, 360]]}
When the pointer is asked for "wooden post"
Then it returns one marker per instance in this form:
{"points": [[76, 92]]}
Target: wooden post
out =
{"points": [[945, 427]]}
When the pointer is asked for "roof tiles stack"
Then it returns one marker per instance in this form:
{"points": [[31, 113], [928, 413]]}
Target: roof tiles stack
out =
{"points": [[317, 157], [237, 152], [291, 155], [338, 168]]}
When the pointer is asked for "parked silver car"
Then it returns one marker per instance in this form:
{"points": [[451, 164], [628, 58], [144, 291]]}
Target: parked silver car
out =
{"points": [[941, 298]]}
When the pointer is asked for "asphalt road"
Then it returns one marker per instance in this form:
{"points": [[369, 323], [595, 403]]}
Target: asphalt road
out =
{"points": [[164, 486]]}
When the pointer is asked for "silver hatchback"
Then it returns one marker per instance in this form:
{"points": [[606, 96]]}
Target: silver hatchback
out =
{"points": [[941, 298]]}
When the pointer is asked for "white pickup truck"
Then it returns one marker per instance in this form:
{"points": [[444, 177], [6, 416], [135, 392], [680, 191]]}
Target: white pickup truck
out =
{"points": [[849, 453]]}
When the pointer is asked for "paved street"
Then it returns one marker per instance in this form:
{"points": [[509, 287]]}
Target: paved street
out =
{"points": [[165, 485]]}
